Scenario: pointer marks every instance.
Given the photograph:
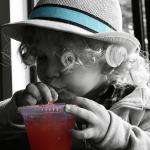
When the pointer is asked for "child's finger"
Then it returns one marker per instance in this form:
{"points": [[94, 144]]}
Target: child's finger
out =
{"points": [[87, 133], [81, 113], [102, 115], [45, 92], [54, 94], [27, 100], [34, 91], [87, 103]]}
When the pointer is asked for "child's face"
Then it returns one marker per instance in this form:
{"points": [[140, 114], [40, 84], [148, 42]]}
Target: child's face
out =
{"points": [[49, 67]]}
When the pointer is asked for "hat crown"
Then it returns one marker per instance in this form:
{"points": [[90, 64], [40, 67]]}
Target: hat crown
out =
{"points": [[107, 10]]}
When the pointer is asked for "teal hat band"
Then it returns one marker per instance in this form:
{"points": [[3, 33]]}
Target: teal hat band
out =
{"points": [[71, 16]]}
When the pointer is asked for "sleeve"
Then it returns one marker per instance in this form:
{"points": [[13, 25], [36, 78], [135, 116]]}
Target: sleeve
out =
{"points": [[9, 116], [12, 132], [6, 108], [8, 112], [121, 135]]}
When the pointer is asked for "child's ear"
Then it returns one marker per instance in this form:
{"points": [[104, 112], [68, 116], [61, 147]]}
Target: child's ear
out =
{"points": [[28, 59], [115, 55]]}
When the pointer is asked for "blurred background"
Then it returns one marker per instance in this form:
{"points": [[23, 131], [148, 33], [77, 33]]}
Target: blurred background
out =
{"points": [[14, 75]]}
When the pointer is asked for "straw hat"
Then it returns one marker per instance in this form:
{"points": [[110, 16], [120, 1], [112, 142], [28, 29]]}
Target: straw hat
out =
{"points": [[96, 19]]}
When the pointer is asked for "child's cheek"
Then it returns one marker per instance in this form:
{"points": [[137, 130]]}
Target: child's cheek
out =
{"points": [[80, 84]]}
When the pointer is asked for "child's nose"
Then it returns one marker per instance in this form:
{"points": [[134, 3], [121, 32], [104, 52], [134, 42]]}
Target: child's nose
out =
{"points": [[53, 69]]}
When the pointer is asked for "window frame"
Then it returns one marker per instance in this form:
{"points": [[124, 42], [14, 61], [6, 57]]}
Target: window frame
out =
{"points": [[5, 67]]}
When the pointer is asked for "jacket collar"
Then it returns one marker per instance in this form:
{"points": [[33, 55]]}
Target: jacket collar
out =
{"points": [[138, 99]]}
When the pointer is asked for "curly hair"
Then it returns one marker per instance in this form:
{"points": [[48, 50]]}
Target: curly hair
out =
{"points": [[84, 52], [135, 70]]}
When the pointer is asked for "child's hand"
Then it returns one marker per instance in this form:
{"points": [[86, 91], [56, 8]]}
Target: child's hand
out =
{"points": [[38, 93], [94, 114], [66, 96]]}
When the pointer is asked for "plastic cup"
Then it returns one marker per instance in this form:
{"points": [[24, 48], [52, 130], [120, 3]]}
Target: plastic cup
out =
{"points": [[48, 126]]}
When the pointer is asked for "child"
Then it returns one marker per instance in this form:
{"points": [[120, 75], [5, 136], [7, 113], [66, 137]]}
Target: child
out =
{"points": [[84, 59]]}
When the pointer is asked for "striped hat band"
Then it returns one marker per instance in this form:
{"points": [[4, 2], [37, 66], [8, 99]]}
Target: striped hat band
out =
{"points": [[71, 16]]}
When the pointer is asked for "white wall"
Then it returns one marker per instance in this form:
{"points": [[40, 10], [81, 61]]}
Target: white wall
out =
{"points": [[20, 73], [35, 2]]}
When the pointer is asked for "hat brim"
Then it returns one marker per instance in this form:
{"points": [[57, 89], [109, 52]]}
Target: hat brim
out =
{"points": [[16, 31]]}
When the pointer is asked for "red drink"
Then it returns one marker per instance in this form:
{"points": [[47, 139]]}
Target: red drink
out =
{"points": [[48, 127]]}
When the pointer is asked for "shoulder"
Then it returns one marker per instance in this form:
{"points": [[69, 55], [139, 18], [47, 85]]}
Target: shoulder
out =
{"points": [[135, 107]]}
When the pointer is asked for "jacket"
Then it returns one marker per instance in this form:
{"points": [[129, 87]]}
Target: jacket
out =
{"points": [[130, 123], [129, 126]]}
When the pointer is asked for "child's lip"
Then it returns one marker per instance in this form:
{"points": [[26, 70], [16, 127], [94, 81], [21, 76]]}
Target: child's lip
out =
{"points": [[58, 89], [54, 83]]}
